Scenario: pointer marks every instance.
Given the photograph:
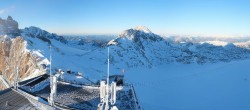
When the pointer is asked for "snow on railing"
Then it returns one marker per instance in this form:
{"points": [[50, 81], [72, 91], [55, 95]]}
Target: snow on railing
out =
{"points": [[40, 85], [88, 80], [5, 82], [78, 85], [32, 80], [36, 101], [135, 97], [75, 82]]}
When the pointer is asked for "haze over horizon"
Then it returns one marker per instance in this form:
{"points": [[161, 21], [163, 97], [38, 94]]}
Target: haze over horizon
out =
{"points": [[169, 17]]}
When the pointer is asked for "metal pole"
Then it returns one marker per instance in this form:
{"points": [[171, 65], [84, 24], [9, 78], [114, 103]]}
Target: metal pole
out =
{"points": [[15, 67], [107, 86], [50, 60], [51, 81]]}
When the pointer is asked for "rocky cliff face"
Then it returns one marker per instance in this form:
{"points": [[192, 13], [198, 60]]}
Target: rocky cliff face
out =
{"points": [[15, 58], [9, 27]]}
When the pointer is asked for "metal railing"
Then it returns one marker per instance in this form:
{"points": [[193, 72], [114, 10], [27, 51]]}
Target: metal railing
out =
{"points": [[5, 82], [135, 97]]}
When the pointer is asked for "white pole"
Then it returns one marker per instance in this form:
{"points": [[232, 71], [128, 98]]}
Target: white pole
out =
{"points": [[107, 87], [15, 67], [17, 78], [108, 68], [113, 93], [50, 60], [50, 67], [51, 81]]}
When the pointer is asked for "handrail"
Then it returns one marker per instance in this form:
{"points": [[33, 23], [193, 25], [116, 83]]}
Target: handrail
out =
{"points": [[136, 99], [35, 100], [5, 82]]}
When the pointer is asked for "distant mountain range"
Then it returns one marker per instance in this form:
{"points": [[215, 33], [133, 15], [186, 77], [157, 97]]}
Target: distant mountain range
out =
{"points": [[133, 48], [140, 47]]}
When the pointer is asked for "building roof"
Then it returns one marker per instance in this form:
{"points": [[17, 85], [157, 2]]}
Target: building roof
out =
{"points": [[10, 99]]}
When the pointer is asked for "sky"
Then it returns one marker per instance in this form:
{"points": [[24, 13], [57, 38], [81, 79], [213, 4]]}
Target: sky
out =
{"points": [[169, 17]]}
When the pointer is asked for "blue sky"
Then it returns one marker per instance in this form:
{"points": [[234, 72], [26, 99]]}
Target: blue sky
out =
{"points": [[172, 17]]}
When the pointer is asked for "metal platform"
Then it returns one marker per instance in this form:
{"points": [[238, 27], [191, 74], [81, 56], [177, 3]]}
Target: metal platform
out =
{"points": [[12, 100]]}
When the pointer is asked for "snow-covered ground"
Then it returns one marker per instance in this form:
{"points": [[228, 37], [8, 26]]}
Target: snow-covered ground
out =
{"points": [[86, 97], [166, 75], [171, 73], [220, 86]]}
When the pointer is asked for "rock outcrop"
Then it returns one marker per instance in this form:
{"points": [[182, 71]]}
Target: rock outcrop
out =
{"points": [[9, 27], [13, 55]]}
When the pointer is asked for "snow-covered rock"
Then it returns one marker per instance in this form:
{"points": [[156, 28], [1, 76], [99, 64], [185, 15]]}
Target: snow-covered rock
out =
{"points": [[13, 55], [9, 27], [36, 32], [143, 29]]}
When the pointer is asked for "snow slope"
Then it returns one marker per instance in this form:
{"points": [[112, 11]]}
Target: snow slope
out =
{"points": [[63, 56], [166, 74], [220, 86], [133, 48]]}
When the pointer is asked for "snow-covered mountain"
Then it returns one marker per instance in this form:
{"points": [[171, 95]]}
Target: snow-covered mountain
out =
{"points": [[36, 32], [88, 42], [167, 72], [136, 47], [9, 27], [133, 48]]}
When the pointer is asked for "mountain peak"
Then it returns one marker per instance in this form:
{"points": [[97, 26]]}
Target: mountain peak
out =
{"points": [[9, 18], [143, 29], [140, 33], [9, 27], [44, 35]]}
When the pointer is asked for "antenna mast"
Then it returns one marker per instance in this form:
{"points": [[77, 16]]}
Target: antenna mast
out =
{"points": [[50, 74], [104, 93], [50, 60], [107, 87], [108, 67], [16, 69], [51, 98]]}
